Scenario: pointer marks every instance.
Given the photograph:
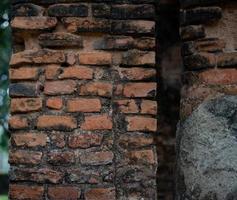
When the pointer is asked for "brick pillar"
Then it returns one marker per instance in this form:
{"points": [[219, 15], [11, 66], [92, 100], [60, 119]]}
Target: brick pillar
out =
{"points": [[83, 108], [206, 145]]}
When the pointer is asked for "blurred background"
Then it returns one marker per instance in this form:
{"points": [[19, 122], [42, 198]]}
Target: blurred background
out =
{"points": [[5, 52]]}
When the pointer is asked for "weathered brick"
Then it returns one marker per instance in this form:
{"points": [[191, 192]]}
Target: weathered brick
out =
{"points": [[50, 122], [60, 87], [227, 59], [85, 140], [77, 25], [100, 194], [101, 10], [24, 73], [192, 32], [83, 105], [142, 157], [97, 122], [149, 107], [140, 123], [41, 56], [18, 122], [24, 105], [64, 192], [33, 23], [23, 192], [77, 72], [97, 89], [68, 10], [25, 157], [54, 103], [95, 58], [137, 73], [52, 71], [60, 39], [58, 140], [134, 57], [27, 10], [23, 90], [29, 139], [139, 90], [116, 43], [127, 106], [97, 158], [61, 157], [41, 175], [133, 27], [145, 43]]}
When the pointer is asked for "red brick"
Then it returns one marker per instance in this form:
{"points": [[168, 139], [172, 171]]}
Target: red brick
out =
{"points": [[56, 122], [77, 72], [24, 73], [97, 122], [63, 192], [59, 157], [23, 192], [142, 157], [60, 87], [139, 90], [137, 73], [97, 158], [95, 58], [139, 123], [83, 105], [24, 105], [85, 140], [25, 157], [100, 194], [149, 107], [54, 103], [52, 71], [58, 140], [29, 139], [127, 106], [145, 43], [97, 89], [18, 122], [33, 23]]}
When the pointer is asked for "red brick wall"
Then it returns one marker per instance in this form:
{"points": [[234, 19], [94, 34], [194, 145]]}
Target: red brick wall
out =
{"points": [[83, 109]]}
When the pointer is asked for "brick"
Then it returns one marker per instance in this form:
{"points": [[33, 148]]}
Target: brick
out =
{"points": [[61, 157], [24, 105], [64, 192], [137, 73], [58, 140], [133, 27], [95, 58], [97, 158], [25, 157], [60, 87], [23, 90], [83, 105], [127, 106], [54, 103], [139, 90], [135, 140], [60, 39], [24, 73], [145, 11], [145, 43], [42, 56], [33, 23], [50, 122], [97, 89], [85, 140], [117, 43], [149, 107], [101, 10], [139, 123], [97, 122], [227, 59], [52, 71], [68, 10], [192, 32], [29, 139], [23, 192], [100, 194], [77, 72], [42, 175], [78, 25], [142, 157], [135, 57], [18, 122], [27, 10]]}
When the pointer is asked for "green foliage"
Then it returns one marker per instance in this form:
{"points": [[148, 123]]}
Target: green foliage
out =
{"points": [[3, 198]]}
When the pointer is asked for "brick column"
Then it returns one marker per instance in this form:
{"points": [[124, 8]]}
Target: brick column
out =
{"points": [[83, 108]]}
